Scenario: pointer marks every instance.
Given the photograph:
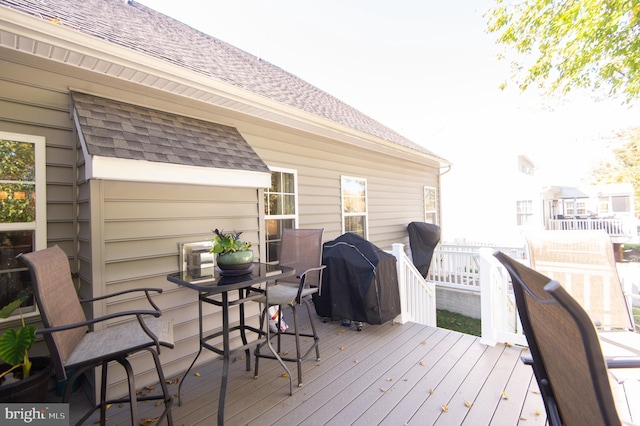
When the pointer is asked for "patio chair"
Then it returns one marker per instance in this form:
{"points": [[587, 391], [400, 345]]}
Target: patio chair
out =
{"points": [[567, 358], [72, 344], [584, 263], [302, 250]]}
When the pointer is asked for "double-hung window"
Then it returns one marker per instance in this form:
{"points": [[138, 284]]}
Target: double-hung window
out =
{"points": [[430, 205], [281, 207], [354, 206], [22, 211]]}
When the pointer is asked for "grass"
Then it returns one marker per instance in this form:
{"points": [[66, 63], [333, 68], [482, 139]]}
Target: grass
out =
{"points": [[457, 322]]}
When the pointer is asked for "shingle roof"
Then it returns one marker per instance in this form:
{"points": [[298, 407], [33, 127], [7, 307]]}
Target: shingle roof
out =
{"points": [[137, 27], [117, 129]]}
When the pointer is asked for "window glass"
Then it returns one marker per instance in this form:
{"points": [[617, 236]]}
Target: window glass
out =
{"points": [[280, 210], [430, 205], [354, 205], [22, 219], [524, 209]]}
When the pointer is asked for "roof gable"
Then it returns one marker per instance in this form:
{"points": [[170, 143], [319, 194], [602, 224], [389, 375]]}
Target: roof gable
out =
{"points": [[141, 29]]}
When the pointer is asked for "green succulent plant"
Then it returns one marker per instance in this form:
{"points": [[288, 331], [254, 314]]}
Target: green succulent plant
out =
{"points": [[228, 242], [16, 342]]}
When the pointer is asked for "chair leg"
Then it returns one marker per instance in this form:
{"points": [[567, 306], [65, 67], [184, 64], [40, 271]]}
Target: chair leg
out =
{"points": [[168, 401], [316, 339], [263, 316], [133, 402], [103, 394], [294, 311]]}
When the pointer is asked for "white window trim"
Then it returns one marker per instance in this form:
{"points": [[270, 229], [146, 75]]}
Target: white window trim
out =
{"points": [[39, 226], [294, 172], [366, 204], [424, 203]]}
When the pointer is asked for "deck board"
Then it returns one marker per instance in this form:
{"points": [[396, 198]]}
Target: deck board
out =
{"points": [[386, 374]]}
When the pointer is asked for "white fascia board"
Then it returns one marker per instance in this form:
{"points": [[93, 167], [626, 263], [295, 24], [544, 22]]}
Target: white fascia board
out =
{"points": [[109, 168]]}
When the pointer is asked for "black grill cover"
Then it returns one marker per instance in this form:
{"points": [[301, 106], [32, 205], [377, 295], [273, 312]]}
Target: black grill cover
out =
{"points": [[360, 282], [423, 239]]}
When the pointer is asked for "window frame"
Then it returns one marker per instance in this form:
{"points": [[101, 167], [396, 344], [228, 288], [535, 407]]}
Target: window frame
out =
{"points": [[344, 214], [39, 225], [280, 217], [426, 189], [524, 210]]}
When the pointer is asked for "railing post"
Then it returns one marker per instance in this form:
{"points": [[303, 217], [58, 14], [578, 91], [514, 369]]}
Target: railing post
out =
{"points": [[397, 250], [487, 298]]}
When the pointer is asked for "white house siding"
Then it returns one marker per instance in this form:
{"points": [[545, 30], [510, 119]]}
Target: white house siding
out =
{"points": [[122, 234]]}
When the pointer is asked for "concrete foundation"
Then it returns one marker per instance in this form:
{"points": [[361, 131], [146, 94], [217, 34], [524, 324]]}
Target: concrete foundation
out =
{"points": [[459, 301]]}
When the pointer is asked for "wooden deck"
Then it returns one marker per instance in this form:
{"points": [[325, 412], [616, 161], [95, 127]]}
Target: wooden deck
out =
{"points": [[387, 374]]}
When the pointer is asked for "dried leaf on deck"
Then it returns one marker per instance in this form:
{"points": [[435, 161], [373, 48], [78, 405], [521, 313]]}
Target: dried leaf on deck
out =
{"points": [[504, 395], [445, 409], [468, 404], [149, 420], [196, 374]]}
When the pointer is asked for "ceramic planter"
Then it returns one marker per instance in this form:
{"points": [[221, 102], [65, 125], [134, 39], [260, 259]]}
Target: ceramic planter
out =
{"points": [[33, 389], [237, 260]]}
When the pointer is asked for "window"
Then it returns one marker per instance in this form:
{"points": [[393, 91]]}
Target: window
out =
{"points": [[525, 166], [354, 206], [430, 205], [280, 204], [524, 212], [22, 213]]}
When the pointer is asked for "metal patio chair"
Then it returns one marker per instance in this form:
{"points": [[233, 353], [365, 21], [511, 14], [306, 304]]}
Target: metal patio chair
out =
{"points": [[72, 344], [567, 358], [302, 250], [584, 263]]}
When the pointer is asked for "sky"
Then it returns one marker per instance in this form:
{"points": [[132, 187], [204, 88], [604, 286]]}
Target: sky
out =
{"points": [[425, 68]]}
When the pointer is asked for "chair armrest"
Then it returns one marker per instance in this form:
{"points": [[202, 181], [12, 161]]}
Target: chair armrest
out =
{"points": [[631, 362], [133, 290], [319, 268], [138, 314]]}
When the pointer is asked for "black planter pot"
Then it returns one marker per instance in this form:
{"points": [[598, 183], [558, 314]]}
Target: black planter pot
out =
{"points": [[33, 389]]}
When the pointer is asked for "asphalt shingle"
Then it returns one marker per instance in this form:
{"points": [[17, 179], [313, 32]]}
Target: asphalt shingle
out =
{"points": [[123, 132]]}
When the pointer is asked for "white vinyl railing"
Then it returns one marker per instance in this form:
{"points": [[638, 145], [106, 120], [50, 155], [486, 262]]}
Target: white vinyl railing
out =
{"points": [[417, 296], [499, 315], [613, 226]]}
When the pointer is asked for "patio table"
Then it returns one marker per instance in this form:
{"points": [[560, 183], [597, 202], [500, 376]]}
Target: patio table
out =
{"points": [[214, 288]]}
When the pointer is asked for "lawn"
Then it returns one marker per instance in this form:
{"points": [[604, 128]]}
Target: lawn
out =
{"points": [[457, 322]]}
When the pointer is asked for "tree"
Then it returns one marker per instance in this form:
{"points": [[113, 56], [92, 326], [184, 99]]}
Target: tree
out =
{"points": [[565, 44], [626, 164]]}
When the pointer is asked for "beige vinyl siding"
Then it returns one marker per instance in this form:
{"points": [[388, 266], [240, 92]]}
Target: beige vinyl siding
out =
{"points": [[144, 223], [394, 186]]}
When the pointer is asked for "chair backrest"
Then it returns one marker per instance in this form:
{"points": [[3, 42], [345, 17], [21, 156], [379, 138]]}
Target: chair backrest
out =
{"points": [[584, 263], [567, 358], [57, 301], [302, 250]]}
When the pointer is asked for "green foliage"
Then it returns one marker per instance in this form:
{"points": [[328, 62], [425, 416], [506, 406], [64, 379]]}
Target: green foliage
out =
{"points": [[228, 242], [15, 343], [626, 165], [565, 44], [17, 170]]}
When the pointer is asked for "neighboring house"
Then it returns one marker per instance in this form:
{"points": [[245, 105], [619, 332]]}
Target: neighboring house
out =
{"points": [[138, 133], [490, 197], [610, 207]]}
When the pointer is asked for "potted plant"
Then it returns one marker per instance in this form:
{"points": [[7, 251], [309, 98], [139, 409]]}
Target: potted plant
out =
{"points": [[231, 252], [30, 377]]}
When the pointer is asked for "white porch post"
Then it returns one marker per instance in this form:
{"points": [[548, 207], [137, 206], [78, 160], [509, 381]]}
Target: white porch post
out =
{"points": [[397, 250]]}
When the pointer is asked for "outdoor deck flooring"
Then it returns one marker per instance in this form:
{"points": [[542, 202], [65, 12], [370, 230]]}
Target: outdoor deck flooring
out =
{"points": [[387, 374]]}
